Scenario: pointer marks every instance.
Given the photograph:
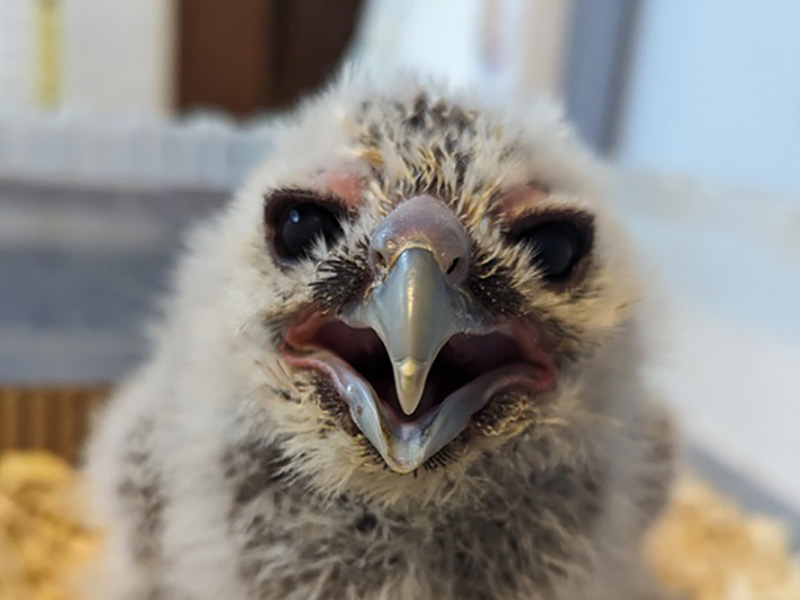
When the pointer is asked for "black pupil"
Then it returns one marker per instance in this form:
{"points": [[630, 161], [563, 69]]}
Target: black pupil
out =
{"points": [[557, 247], [301, 225]]}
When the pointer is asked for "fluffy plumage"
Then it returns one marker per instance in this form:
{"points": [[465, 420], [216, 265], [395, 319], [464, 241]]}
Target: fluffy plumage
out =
{"points": [[224, 472]]}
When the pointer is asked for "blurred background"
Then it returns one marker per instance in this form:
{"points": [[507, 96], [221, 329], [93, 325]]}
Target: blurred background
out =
{"points": [[121, 122]]}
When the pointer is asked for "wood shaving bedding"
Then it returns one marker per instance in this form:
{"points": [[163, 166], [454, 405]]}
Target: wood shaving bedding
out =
{"points": [[707, 549], [42, 540]]}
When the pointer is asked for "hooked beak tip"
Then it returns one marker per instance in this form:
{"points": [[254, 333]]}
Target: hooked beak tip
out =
{"points": [[410, 375]]}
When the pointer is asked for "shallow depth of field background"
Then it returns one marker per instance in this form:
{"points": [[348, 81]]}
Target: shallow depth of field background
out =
{"points": [[121, 122]]}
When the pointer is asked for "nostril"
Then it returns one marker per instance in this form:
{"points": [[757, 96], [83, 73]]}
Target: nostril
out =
{"points": [[453, 265], [379, 258]]}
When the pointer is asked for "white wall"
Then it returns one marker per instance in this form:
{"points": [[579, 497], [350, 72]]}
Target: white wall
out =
{"points": [[115, 55], [440, 37], [17, 52], [715, 91], [118, 54], [498, 46]]}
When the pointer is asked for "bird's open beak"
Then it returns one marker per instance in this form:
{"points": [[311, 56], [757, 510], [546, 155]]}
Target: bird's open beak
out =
{"points": [[414, 311], [416, 358]]}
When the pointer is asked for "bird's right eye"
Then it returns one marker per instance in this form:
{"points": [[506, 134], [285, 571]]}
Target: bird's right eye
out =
{"points": [[557, 243], [299, 223]]}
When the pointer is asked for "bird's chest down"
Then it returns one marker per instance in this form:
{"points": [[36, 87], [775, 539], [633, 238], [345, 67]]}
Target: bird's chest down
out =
{"points": [[517, 543]]}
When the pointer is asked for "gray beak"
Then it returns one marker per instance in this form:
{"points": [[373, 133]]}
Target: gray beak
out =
{"points": [[421, 252], [414, 312]]}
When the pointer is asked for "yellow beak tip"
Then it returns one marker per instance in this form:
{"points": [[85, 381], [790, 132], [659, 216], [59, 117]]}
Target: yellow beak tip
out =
{"points": [[410, 376]]}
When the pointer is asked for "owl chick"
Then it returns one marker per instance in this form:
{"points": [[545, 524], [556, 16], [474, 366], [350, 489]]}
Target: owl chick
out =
{"points": [[403, 363]]}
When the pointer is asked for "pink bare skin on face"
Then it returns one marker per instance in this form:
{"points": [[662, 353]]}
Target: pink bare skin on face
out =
{"points": [[346, 184], [517, 202]]}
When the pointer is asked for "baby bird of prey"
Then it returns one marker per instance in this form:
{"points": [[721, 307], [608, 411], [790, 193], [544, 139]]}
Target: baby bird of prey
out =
{"points": [[403, 363]]}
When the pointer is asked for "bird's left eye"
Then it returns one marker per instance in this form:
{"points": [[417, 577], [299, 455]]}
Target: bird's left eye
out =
{"points": [[298, 225]]}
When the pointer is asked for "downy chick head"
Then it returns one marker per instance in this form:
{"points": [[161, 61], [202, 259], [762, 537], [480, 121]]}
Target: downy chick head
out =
{"points": [[415, 280]]}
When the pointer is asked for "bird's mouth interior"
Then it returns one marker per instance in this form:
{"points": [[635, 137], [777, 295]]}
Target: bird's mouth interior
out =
{"points": [[329, 345]]}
